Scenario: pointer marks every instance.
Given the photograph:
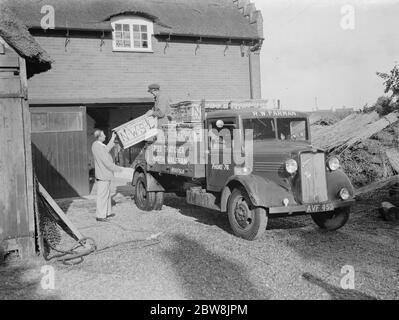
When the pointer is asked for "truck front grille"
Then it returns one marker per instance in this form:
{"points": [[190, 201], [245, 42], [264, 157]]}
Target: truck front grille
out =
{"points": [[313, 178]]}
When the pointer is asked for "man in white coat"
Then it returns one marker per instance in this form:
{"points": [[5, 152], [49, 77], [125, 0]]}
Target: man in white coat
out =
{"points": [[105, 169]]}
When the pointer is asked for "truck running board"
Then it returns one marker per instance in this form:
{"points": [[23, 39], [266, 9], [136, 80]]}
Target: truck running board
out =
{"points": [[199, 197]]}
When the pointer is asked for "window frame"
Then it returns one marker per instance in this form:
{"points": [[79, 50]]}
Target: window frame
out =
{"points": [[49, 125], [294, 120], [272, 119], [133, 20]]}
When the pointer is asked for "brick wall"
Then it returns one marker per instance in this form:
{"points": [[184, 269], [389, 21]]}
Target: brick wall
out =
{"points": [[86, 72]]}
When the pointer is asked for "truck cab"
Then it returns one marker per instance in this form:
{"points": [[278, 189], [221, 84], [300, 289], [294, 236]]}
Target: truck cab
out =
{"points": [[254, 164]]}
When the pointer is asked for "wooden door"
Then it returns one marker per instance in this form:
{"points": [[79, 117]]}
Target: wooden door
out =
{"points": [[59, 142], [16, 184]]}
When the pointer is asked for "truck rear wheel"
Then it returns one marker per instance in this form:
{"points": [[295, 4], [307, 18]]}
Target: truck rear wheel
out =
{"points": [[147, 201], [246, 222], [332, 220]]}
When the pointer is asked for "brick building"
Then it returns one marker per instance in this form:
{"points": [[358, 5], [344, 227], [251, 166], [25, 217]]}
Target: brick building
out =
{"points": [[107, 52]]}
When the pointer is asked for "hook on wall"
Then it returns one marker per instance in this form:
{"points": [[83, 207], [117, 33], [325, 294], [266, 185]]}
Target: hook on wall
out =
{"points": [[167, 44], [228, 43], [242, 47], [102, 43], [198, 45], [67, 40]]}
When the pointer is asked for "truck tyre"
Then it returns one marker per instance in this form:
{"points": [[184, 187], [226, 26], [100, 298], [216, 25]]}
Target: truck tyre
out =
{"points": [[147, 201], [135, 177], [332, 221], [246, 222]]}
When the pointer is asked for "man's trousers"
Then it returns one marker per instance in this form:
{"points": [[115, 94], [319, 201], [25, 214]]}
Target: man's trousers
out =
{"points": [[104, 206]]}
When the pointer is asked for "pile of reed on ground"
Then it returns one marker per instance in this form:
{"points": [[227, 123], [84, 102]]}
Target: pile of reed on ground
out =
{"points": [[361, 142]]}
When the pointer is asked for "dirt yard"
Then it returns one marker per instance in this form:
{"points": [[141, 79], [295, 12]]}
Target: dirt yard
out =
{"points": [[185, 252]]}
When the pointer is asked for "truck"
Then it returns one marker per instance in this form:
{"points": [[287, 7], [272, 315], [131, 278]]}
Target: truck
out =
{"points": [[252, 164]]}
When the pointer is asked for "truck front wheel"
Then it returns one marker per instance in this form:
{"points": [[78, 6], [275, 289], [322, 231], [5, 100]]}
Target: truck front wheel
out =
{"points": [[147, 201], [246, 222], [332, 220]]}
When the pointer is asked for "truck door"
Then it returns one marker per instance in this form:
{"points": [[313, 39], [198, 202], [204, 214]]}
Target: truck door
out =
{"points": [[220, 166]]}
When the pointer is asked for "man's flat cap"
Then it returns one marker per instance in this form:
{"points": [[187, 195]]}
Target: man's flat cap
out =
{"points": [[154, 86]]}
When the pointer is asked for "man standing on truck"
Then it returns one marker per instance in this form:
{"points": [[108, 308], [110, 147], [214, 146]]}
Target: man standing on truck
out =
{"points": [[104, 169], [161, 109]]}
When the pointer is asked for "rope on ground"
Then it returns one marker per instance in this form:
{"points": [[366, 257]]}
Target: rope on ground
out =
{"points": [[71, 256], [153, 239], [122, 244]]}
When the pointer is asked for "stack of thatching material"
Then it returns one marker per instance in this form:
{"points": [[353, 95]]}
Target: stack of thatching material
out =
{"points": [[367, 145], [323, 118]]}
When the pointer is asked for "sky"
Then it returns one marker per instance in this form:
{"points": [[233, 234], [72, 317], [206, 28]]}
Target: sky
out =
{"points": [[325, 53]]}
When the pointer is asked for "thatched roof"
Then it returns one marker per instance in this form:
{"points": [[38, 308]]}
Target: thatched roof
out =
{"points": [[206, 18], [16, 34]]}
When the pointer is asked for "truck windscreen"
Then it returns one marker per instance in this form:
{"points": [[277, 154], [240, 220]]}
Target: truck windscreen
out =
{"points": [[294, 129], [263, 128]]}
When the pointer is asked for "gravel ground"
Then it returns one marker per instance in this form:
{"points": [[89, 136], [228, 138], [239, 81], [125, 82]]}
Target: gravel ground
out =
{"points": [[184, 252]]}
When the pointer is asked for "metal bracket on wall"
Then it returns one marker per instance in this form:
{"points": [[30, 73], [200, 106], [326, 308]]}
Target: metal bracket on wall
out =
{"points": [[249, 49], [198, 45], [67, 40], [102, 42], [257, 47], [242, 47], [228, 43], [167, 44]]}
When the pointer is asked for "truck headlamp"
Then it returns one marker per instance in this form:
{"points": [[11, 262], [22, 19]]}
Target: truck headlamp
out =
{"points": [[242, 171], [291, 166], [333, 164], [344, 194]]}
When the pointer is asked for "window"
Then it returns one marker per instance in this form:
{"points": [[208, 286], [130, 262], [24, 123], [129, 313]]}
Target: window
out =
{"points": [[132, 34], [140, 36], [122, 36], [263, 128], [292, 129], [222, 136], [56, 121]]}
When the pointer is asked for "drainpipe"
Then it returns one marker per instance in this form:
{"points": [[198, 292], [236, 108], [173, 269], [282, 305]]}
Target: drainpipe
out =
{"points": [[251, 82], [251, 51]]}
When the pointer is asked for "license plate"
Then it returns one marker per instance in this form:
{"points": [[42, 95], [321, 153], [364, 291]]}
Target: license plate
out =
{"points": [[324, 207]]}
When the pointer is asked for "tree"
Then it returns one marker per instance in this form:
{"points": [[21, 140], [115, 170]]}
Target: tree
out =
{"points": [[391, 80], [386, 105]]}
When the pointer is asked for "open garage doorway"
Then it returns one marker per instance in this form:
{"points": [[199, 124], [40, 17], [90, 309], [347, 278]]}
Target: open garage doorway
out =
{"points": [[62, 137], [106, 118]]}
